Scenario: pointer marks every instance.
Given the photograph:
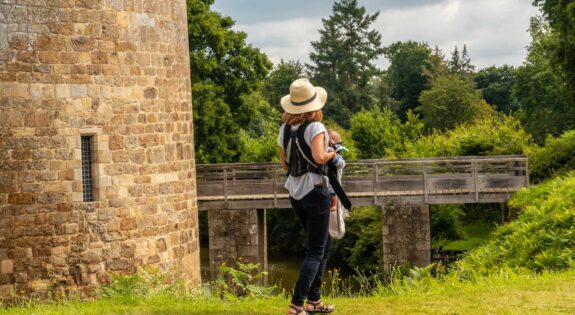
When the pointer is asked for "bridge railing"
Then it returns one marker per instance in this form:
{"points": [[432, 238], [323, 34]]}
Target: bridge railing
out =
{"points": [[371, 181]]}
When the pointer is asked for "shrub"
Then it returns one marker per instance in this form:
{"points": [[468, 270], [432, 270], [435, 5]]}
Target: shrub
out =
{"points": [[543, 236], [556, 157], [446, 222]]}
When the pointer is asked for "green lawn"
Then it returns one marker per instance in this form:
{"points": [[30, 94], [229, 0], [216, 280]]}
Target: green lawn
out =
{"points": [[504, 294], [476, 234]]}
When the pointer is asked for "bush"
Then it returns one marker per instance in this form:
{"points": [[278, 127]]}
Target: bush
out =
{"points": [[498, 134], [446, 222], [556, 157], [543, 236]]}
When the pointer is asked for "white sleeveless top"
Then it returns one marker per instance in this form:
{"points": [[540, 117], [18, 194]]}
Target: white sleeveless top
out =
{"points": [[300, 186]]}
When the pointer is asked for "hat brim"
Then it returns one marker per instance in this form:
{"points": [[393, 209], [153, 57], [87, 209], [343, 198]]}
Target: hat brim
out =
{"points": [[317, 103]]}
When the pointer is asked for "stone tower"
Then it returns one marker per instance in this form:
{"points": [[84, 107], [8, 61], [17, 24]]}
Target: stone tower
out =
{"points": [[97, 170]]}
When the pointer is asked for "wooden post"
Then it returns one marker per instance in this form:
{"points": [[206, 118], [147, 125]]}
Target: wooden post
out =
{"points": [[527, 172], [375, 184], [225, 186], [425, 184], [475, 179]]}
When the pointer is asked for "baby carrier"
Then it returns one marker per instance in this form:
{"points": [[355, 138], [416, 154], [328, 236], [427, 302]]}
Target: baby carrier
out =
{"points": [[299, 160]]}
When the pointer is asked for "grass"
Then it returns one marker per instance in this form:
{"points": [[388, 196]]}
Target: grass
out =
{"points": [[504, 293], [476, 234]]}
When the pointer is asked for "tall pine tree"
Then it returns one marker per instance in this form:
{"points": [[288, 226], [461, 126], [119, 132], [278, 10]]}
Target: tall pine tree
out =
{"points": [[343, 59]]}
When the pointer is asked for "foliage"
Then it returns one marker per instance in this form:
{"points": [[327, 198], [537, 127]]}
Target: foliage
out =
{"points": [[276, 84], [215, 129], [495, 135], [460, 63], [543, 236], [362, 244], [501, 293], [496, 85], [244, 281], [377, 132], [445, 221], [450, 102], [560, 14], [223, 69], [409, 73], [556, 157], [147, 281], [342, 59], [260, 122], [543, 95]]}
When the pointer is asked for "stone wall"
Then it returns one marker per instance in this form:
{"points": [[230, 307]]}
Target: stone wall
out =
{"points": [[234, 234], [406, 235], [117, 70]]}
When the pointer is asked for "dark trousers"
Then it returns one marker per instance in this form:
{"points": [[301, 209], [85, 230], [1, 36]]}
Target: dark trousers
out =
{"points": [[313, 212]]}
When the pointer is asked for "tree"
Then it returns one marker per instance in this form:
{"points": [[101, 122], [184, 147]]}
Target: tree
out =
{"points": [[545, 103], [560, 14], [278, 81], [451, 101], [342, 59], [376, 132], [460, 63], [223, 68], [408, 73], [496, 85]]}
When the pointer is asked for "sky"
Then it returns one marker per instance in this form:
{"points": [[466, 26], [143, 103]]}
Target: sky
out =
{"points": [[495, 31]]}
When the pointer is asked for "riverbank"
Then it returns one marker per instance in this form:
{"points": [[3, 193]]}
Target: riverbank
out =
{"points": [[552, 293]]}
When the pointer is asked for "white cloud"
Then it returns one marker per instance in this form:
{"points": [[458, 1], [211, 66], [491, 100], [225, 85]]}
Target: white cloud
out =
{"points": [[495, 31]]}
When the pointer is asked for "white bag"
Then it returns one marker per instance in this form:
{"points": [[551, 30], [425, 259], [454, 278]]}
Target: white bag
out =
{"points": [[336, 221]]}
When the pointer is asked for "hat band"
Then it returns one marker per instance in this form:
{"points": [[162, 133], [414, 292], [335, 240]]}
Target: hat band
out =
{"points": [[305, 102]]}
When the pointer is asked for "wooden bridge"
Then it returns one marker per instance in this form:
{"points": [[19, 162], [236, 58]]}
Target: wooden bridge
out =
{"points": [[404, 189], [370, 182]]}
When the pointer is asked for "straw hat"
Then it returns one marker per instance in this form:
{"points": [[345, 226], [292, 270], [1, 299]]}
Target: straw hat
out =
{"points": [[303, 97]]}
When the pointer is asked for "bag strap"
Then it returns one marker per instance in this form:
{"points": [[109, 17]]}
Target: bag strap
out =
{"points": [[287, 136], [331, 169]]}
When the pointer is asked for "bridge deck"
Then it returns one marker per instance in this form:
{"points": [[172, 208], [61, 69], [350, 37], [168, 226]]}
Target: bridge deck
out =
{"points": [[368, 182]]}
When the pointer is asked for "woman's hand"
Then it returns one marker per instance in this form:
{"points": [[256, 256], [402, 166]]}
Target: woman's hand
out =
{"points": [[319, 155]]}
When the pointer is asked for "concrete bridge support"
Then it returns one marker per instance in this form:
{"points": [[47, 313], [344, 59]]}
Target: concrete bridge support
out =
{"points": [[235, 234], [406, 235]]}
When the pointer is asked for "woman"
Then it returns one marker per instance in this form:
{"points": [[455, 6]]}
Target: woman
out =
{"points": [[307, 188]]}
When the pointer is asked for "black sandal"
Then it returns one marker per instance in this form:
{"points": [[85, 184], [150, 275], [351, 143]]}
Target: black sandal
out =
{"points": [[298, 310], [320, 307]]}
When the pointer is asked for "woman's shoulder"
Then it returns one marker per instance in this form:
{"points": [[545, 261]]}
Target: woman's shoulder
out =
{"points": [[316, 126]]}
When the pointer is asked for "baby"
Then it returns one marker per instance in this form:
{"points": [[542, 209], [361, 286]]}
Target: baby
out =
{"points": [[336, 143]]}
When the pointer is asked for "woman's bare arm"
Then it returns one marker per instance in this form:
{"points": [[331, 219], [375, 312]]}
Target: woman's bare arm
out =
{"points": [[283, 159], [318, 152]]}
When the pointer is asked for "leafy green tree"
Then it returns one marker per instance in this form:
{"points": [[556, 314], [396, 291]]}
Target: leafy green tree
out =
{"points": [[377, 133], [343, 59], [450, 101], [545, 103], [223, 68], [279, 79], [556, 157], [260, 122], [408, 73], [215, 129], [560, 14], [438, 66], [496, 85], [382, 93], [460, 63], [494, 135]]}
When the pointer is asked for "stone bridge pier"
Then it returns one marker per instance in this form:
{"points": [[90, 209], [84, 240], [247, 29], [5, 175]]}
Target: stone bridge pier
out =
{"points": [[406, 235], [237, 234]]}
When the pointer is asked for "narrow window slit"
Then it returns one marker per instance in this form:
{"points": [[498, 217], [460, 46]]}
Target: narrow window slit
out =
{"points": [[87, 178]]}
